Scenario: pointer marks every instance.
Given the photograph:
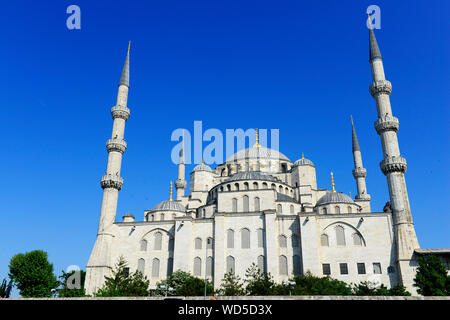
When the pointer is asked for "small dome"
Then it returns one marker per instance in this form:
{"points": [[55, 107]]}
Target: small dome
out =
{"points": [[252, 175], [169, 205], [128, 215], [202, 167], [303, 162], [334, 197]]}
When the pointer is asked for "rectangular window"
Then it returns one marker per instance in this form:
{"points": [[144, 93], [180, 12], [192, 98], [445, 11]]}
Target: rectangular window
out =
{"points": [[377, 268], [344, 268], [326, 269], [361, 268]]}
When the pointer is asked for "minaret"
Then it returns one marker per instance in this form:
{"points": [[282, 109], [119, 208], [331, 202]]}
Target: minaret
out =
{"points": [[180, 183], [394, 167], [100, 262], [359, 173]]}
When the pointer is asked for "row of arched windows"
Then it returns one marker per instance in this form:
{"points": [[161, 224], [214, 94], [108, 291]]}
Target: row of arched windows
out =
{"points": [[246, 204], [280, 208], [198, 243], [155, 267], [157, 243], [209, 266], [262, 265], [162, 216], [253, 186], [337, 209], [340, 238]]}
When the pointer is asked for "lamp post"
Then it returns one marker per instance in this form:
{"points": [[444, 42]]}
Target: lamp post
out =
{"points": [[208, 241]]}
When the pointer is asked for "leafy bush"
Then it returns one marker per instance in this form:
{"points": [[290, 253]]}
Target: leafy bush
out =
{"points": [[431, 277]]}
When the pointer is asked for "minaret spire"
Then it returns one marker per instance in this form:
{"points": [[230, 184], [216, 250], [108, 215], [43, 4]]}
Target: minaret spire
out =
{"points": [[180, 183], [359, 173], [374, 50], [99, 264], [332, 182], [394, 167]]}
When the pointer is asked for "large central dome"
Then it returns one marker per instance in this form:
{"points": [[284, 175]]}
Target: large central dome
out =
{"points": [[257, 152]]}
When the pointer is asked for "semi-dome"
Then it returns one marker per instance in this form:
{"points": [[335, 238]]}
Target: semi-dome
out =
{"points": [[202, 167], [334, 197], [257, 152], [252, 175], [169, 205]]}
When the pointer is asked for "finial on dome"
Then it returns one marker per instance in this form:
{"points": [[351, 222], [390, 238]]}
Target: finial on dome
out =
{"points": [[257, 139], [203, 162], [303, 156], [332, 183], [171, 191]]}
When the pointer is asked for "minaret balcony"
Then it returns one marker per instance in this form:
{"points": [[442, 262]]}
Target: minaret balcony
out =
{"points": [[118, 145], [393, 164], [387, 123], [111, 181], [359, 173], [380, 87], [180, 184], [120, 112]]}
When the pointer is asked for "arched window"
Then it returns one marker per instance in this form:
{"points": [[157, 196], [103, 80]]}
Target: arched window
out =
{"points": [[349, 209], [255, 185], [209, 266], [245, 238], [279, 208], [296, 264], [230, 239], [283, 265], [357, 241], [228, 187], [294, 240], [291, 208], [282, 241], [171, 244], [158, 241], [324, 210], [257, 207], [141, 265], [169, 266], [197, 266], [246, 206], [155, 268], [230, 264], [144, 245], [324, 240], [209, 243], [162, 217], [340, 236], [203, 212], [262, 263], [221, 188], [337, 209], [264, 185], [273, 186], [236, 186], [245, 186], [286, 191], [234, 205], [153, 217], [280, 189], [198, 243], [260, 233]]}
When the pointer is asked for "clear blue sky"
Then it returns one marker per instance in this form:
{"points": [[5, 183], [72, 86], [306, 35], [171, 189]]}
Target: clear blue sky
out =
{"points": [[301, 67]]}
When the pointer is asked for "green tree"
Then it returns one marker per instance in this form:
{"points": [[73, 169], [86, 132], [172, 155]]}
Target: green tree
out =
{"points": [[32, 273], [5, 288], [431, 277], [123, 284], [176, 280], [307, 284], [195, 287], [68, 280], [231, 285], [398, 290], [259, 283]]}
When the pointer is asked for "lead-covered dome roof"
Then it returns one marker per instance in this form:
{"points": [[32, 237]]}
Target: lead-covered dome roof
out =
{"points": [[334, 197], [202, 167], [256, 152], [303, 162], [169, 205], [252, 175]]}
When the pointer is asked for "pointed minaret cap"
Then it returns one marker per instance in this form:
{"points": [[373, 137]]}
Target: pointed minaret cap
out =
{"points": [[125, 77], [257, 139], [355, 144], [171, 191], [332, 183], [374, 50]]}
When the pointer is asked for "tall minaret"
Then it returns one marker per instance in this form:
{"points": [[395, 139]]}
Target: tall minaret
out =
{"points": [[394, 167], [100, 262], [359, 173], [180, 183]]}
